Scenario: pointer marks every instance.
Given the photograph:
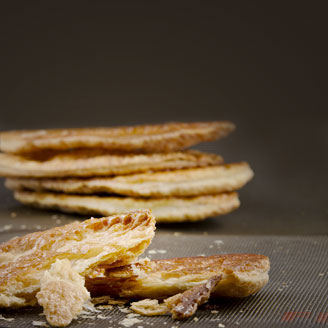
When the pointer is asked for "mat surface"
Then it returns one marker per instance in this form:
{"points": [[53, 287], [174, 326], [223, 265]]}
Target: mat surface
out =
{"points": [[296, 295]]}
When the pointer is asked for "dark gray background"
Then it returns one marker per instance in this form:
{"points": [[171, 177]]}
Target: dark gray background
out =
{"points": [[262, 66]]}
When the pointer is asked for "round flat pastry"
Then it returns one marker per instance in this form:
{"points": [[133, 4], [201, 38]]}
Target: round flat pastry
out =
{"points": [[96, 162], [171, 209], [181, 183], [144, 138]]}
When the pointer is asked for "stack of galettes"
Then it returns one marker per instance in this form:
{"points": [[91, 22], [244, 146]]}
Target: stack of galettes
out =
{"points": [[105, 171]]}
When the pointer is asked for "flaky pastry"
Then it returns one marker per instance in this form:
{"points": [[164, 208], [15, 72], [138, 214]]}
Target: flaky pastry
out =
{"points": [[184, 305], [144, 138], [62, 294], [241, 276], [170, 209], [182, 183], [115, 240], [96, 162]]}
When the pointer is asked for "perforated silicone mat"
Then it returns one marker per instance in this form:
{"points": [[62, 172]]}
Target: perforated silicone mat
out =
{"points": [[296, 295]]}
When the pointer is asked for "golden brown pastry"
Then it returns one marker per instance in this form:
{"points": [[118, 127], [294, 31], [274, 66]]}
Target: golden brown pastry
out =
{"points": [[181, 183], [241, 276], [171, 209], [144, 138], [184, 305], [115, 240], [96, 162]]}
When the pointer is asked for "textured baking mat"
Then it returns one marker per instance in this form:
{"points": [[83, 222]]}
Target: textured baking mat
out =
{"points": [[296, 295]]}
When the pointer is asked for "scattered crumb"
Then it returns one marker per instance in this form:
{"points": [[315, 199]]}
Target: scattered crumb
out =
{"points": [[120, 301], [6, 227], [196, 319], [321, 274], [155, 251], [214, 311], [88, 306], [219, 242], [23, 226], [211, 246], [177, 234], [6, 319], [38, 227], [221, 325], [87, 316], [124, 310], [13, 214], [133, 315], [39, 324], [108, 300], [100, 316], [128, 322], [149, 307], [105, 307], [58, 221], [201, 255]]}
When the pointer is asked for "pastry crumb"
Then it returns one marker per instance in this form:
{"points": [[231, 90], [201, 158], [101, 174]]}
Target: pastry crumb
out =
{"points": [[157, 251], [6, 227], [149, 307], [6, 319], [129, 322], [39, 323]]}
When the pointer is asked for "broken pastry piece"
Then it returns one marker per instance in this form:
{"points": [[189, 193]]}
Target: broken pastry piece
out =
{"points": [[149, 307], [30, 262], [184, 305], [241, 276], [62, 294]]}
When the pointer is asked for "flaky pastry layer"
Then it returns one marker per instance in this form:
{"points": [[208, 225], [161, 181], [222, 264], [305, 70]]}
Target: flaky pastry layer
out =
{"points": [[241, 276], [115, 240], [96, 162], [170, 209], [144, 138], [184, 182]]}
